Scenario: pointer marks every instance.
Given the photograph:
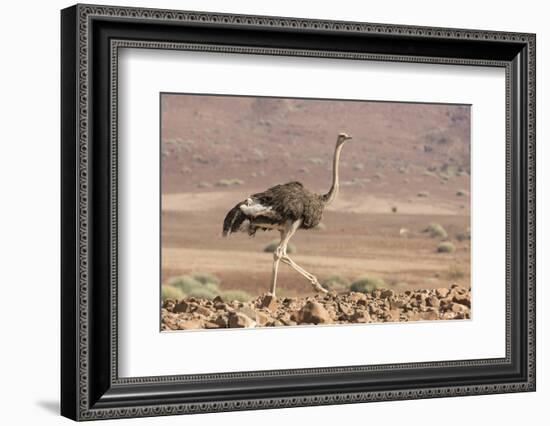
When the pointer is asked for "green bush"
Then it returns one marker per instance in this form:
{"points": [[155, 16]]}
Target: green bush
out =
{"points": [[185, 283], [169, 292], [229, 182], [202, 293], [239, 295], [335, 283], [445, 247], [270, 248], [461, 192], [429, 174], [436, 230], [205, 277], [463, 236], [320, 227], [198, 284], [317, 161], [367, 284], [211, 287]]}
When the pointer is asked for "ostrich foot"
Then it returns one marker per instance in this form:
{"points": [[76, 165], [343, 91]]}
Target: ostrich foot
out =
{"points": [[318, 287]]}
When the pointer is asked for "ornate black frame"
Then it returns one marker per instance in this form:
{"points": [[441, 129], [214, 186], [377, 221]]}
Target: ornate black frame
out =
{"points": [[91, 37]]}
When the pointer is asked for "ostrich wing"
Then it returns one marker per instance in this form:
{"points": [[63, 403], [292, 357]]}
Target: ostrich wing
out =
{"points": [[252, 210], [275, 207]]}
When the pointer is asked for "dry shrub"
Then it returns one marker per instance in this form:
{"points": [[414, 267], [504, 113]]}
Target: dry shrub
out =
{"points": [[335, 283], [367, 284], [435, 230], [170, 292], [272, 246], [445, 247]]}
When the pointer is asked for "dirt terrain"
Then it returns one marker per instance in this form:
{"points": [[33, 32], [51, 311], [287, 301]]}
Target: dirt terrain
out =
{"points": [[267, 311], [407, 167]]}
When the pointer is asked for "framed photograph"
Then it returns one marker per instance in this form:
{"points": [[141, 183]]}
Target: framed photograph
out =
{"points": [[263, 212]]}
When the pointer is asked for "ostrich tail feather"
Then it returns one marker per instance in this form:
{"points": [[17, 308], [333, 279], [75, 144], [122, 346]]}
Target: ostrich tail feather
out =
{"points": [[233, 220]]}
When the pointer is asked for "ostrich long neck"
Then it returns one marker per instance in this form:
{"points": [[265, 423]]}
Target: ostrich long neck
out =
{"points": [[333, 192]]}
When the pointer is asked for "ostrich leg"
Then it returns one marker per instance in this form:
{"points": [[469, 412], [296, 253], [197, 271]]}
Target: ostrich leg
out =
{"points": [[280, 251], [310, 277], [277, 255], [285, 259]]}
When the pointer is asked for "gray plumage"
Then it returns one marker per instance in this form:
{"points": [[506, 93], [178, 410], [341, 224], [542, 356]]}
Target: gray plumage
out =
{"points": [[281, 203]]}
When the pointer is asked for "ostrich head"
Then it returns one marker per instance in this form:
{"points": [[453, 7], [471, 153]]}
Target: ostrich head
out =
{"points": [[342, 138]]}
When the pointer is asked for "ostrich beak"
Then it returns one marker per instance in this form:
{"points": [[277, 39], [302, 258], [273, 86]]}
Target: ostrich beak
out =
{"points": [[344, 136]]}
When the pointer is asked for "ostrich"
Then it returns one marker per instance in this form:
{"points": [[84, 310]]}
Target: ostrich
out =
{"points": [[285, 208]]}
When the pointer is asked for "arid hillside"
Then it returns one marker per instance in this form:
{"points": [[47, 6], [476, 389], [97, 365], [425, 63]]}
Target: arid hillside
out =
{"points": [[406, 168]]}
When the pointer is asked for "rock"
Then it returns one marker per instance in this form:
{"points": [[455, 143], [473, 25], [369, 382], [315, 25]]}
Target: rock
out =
{"points": [[211, 324], [258, 316], [314, 312], [220, 306], [170, 322], [345, 308], [201, 310], [385, 294], [457, 307], [433, 301], [169, 304], [429, 316], [446, 302], [462, 299], [361, 316], [397, 304], [373, 310], [240, 320], [217, 299], [269, 301], [412, 316], [458, 290], [183, 306], [261, 318], [392, 315], [449, 315], [190, 325], [356, 297], [421, 298], [221, 321], [248, 311], [442, 292]]}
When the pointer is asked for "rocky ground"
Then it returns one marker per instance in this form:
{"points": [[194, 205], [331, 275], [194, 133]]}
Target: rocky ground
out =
{"points": [[332, 308]]}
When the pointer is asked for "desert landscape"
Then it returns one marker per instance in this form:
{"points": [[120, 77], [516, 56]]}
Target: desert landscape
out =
{"points": [[400, 224]]}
